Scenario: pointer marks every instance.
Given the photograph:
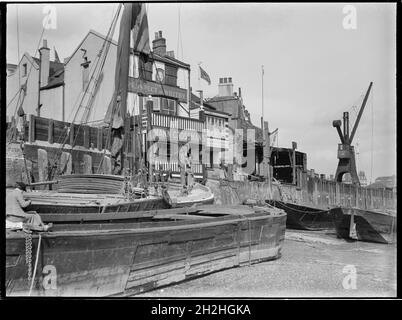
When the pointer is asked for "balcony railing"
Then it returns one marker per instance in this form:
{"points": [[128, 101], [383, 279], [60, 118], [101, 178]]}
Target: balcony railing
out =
{"points": [[169, 121]]}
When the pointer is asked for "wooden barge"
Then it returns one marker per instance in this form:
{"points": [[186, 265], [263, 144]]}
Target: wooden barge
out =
{"points": [[365, 225], [105, 194], [305, 218], [113, 258]]}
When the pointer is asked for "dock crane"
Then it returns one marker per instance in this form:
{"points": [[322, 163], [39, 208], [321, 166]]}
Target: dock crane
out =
{"points": [[346, 152]]}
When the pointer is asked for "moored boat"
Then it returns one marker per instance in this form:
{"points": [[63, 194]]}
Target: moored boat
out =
{"points": [[101, 259], [108, 193], [303, 217], [365, 225]]}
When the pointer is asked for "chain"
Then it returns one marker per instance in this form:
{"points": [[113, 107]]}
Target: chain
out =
{"points": [[28, 254]]}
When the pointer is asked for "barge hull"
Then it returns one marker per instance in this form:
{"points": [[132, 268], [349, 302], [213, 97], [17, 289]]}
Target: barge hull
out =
{"points": [[111, 259]]}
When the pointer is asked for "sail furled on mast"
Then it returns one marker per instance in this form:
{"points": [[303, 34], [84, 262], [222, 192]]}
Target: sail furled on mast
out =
{"points": [[133, 21]]}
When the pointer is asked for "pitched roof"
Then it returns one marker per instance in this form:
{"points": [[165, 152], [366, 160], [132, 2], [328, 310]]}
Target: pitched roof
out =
{"points": [[166, 58]]}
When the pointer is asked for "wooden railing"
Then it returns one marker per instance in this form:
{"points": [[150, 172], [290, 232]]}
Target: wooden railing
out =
{"points": [[161, 120], [64, 133], [173, 167], [326, 193]]}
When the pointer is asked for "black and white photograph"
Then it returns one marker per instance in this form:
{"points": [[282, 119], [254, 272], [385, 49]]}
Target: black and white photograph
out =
{"points": [[199, 150]]}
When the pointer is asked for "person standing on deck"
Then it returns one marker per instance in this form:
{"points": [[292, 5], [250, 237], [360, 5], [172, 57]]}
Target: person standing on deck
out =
{"points": [[17, 217]]}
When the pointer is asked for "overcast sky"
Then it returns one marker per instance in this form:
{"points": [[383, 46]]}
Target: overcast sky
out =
{"points": [[314, 68]]}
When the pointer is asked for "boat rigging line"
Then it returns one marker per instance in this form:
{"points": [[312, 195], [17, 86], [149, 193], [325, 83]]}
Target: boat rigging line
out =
{"points": [[100, 57], [372, 137], [23, 87]]}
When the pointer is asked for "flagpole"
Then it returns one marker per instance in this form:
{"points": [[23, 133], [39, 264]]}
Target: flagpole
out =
{"points": [[262, 97], [199, 76]]}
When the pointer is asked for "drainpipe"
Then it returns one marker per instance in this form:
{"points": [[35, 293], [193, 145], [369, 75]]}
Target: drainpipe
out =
{"points": [[39, 82], [63, 104]]}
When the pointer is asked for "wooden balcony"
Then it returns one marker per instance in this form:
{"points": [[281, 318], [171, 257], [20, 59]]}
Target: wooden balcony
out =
{"points": [[160, 120]]}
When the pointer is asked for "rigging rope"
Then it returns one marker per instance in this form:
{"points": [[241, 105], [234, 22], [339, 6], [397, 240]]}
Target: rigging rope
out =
{"points": [[372, 135], [20, 89], [102, 56], [18, 47]]}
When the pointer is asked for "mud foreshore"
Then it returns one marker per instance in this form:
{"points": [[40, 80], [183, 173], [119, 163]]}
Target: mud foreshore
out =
{"points": [[313, 264]]}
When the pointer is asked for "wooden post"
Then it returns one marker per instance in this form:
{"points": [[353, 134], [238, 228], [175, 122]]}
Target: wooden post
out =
{"points": [[31, 134], [147, 143], [204, 172], [99, 138], [87, 164], [294, 147], [230, 172], [50, 131], [266, 153], [66, 162], [86, 136], [133, 145], [72, 129], [357, 197], [182, 174], [42, 165], [107, 165]]}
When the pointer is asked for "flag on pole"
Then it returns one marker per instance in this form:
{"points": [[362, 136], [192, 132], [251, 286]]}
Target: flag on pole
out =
{"points": [[56, 56], [204, 75]]}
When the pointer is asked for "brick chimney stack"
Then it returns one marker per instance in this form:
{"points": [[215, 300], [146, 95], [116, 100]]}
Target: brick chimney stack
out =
{"points": [[225, 87], [159, 44], [44, 53]]}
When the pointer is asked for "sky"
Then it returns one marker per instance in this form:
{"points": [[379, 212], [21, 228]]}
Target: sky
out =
{"points": [[314, 68]]}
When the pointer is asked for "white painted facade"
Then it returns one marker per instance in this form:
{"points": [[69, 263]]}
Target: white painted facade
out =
{"points": [[73, 79], [19, 78], [67, 102]]}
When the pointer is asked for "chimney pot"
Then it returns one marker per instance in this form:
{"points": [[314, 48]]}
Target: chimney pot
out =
{"points": [[170, 53], [44, 64], [159, 44], [226, 87]]}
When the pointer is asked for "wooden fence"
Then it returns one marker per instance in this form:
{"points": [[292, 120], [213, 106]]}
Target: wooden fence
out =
{"points": [[321, 193]]}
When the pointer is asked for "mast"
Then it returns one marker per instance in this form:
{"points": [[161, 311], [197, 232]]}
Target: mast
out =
{"points": [[134, 22]]}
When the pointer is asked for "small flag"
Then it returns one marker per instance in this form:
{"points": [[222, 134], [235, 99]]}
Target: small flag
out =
{"points": [[205, 75], [56, 56]]}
